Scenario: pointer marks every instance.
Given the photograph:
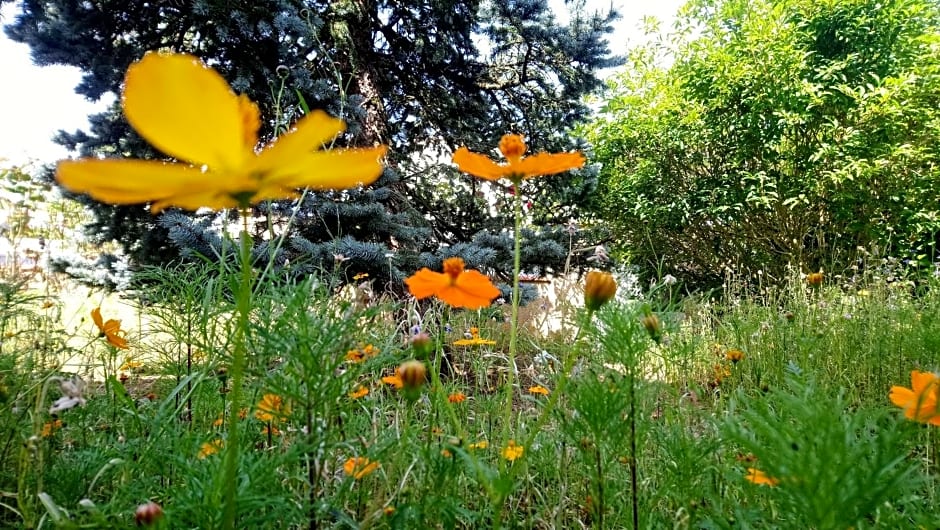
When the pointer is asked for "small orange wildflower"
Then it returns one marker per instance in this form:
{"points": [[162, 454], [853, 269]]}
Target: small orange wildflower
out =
{"points": [[734, 356], [358, 392], [394, 379], [759, 477], [446, 453], [271, 408], [50, 427], [457, 397], [517, 166], [512, 451], [210, 448], [921, 400], [110, 330], [538, 389], [219, 420], [361, 353], [455, 286], [359, 466]]}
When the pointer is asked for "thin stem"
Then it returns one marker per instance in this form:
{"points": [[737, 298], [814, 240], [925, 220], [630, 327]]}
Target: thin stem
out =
{"points": [[633, 471], [514, 315], [239, 354], [513, 335]]}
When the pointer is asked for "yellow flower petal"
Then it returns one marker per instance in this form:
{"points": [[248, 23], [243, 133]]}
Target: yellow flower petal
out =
{"points": [[188, 111], [134, 181], [310, 133], [325, 170]]}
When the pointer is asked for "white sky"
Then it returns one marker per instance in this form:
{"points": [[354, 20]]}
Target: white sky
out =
{"points": [[36, 102]]}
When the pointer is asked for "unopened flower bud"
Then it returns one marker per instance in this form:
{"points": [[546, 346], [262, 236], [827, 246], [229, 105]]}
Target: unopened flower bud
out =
{"points": [[599, 288], [422, 345], [814, 279], [413, 374], [148, 514], [653, 326]]}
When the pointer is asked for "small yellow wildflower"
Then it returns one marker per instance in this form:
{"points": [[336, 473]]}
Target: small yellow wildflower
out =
{"points": [[482, 444], [512, 451], [474, 339]]}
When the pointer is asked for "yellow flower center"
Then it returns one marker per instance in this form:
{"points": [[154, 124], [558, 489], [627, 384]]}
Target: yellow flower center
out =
{"points": [[513, 147]]}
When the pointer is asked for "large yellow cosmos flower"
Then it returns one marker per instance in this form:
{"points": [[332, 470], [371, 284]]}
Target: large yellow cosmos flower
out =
{"points": [[517, 166], [188, 111]]}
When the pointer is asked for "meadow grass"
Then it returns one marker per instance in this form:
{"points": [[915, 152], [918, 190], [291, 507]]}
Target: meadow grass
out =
{"points": [[617, 420]]}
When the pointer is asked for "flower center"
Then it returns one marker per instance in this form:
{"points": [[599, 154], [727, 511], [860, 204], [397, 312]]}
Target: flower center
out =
{"points": [[453, 267], [512, 146]]}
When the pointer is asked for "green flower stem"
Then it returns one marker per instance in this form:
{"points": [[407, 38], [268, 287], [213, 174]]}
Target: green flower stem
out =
{"points": [[514, 315], [513, 340], [239, 354]]}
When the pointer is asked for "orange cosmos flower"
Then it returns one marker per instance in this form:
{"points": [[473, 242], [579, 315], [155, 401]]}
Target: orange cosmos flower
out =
{"points": [[111, 330], [271, 408], [517, 166], [455, 286], [210, 448], [920, 401], [359, 466], [358, 392], [538, 389], [394, 379], [50, 427], [188, 111], [735, 356], [759, 477]]}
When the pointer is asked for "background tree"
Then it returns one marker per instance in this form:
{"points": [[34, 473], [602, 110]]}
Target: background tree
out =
{"points": [[421, 76], [783, 133]]}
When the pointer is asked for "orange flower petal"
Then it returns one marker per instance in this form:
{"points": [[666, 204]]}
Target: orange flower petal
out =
{"points": [[920, 381], [96, 318], [547, 164], [426, 282], [478, 165]]}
